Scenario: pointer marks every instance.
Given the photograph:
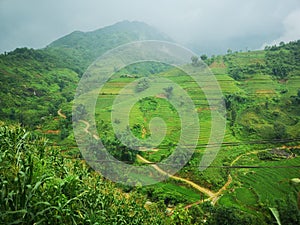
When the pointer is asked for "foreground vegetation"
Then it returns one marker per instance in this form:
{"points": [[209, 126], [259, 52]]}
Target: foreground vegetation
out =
{"points": [[39, 185]]}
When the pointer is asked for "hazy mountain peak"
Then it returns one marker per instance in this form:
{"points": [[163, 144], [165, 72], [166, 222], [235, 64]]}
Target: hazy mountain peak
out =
{"points": [[128, 30], [84, 47]]}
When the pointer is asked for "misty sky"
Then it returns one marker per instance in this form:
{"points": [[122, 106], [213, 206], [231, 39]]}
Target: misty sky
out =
{"points": [[206, 26]]}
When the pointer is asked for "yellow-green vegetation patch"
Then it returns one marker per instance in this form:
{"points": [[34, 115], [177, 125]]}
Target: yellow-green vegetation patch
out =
{"points": [[246, 196]]}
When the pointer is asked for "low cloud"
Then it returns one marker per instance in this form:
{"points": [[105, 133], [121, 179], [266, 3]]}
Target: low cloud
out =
{"points": [[291, 29], [209, 26]]}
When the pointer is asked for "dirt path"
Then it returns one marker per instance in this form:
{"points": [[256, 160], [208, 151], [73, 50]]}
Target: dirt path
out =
{"points": [[61, 114], [213, 196], [206, 191], [144, 132], [240, 156], [195, 203], [216, 196], [264, 150], [56, 132], [222, 189], [226, 185], [87, 127]]}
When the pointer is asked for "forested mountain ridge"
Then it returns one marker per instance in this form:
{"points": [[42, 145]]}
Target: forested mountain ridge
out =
{"points": [[84, 47]]}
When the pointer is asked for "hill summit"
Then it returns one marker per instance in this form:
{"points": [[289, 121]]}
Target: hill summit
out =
{"points": [[84, 47]]}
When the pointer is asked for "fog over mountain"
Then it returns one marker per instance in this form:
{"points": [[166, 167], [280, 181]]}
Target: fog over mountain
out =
{"points": [[206, 26]]}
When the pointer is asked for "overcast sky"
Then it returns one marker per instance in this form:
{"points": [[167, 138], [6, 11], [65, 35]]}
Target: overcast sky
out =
{"points": [[207, 26]]}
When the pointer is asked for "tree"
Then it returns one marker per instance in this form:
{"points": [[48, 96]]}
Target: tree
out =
{"points": [[236, 73], [229, 51], [148, 104], [280, 70], [195, 61], [169, 91], [203, 57], [142, 85], [80, 112], [279, 130], [231, 216], [288, 211]]}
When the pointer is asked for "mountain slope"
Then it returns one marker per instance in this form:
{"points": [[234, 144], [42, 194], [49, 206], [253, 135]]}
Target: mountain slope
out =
{"points": [[84, 47], [36, 83]]}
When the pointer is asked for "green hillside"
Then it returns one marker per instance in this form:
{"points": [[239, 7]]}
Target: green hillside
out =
{"points": [[37, 83], [256, 169], [82, 48]]}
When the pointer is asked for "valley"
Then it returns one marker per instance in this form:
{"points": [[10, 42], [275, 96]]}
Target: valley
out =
{"points": [[253, 172]]}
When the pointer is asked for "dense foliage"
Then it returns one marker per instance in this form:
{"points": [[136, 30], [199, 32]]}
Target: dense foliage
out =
{"points": [[32, 87], [40, 186], [284, 60], [266, 107]]}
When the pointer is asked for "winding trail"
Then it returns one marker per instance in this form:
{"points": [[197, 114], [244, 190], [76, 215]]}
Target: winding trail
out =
{"points": [[87, 127], [222, 189], [61, 114], [247, 153], [194, 185], [56, 132], [213, 196]]}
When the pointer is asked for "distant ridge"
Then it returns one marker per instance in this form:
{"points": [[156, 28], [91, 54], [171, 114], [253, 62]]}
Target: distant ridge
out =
{"points": [[135, 29], [84, 47]]}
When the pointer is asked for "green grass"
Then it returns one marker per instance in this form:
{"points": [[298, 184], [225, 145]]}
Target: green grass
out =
{"points": [[292, 85], [271, 183], [246, 196], [260, 85], [189, 195]]}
